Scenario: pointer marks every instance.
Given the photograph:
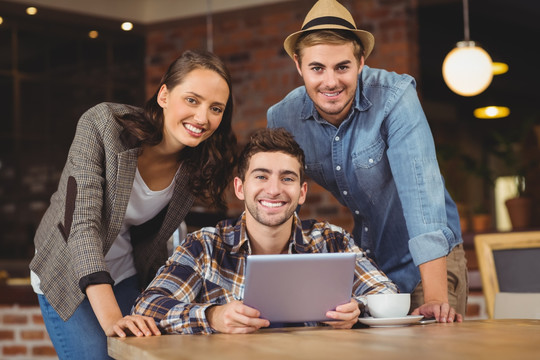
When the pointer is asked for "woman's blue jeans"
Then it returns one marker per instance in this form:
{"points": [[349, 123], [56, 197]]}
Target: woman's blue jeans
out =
{"points": [[81, 337]]}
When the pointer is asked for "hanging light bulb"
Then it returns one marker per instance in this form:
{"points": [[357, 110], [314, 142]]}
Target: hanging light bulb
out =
{"points": [[467, 69]]}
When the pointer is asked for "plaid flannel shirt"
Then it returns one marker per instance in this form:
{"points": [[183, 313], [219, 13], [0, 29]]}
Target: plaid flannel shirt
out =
{"points": [[208, 269]]}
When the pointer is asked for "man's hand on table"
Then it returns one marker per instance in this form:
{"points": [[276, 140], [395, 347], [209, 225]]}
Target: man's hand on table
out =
{"points": [[346, 314], [442, 312], [235, 318]]}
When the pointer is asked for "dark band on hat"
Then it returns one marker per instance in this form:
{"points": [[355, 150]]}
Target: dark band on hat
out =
{"points": [[329, 20]]}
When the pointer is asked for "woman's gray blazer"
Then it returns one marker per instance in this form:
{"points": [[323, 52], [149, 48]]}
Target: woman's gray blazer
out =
{"points": [[87, 210]]}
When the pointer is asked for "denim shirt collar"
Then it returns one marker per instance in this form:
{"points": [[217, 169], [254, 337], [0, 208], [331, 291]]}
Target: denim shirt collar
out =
{"points": [[360, 103]]}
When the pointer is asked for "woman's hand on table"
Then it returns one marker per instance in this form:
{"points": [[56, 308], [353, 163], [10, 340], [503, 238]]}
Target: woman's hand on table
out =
{"points": [[440, 311], [235, 318], [346, 314], [137, 325]]}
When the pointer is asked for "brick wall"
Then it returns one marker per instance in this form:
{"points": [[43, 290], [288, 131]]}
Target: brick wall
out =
{"points": [[23, 334], [250, 41]]}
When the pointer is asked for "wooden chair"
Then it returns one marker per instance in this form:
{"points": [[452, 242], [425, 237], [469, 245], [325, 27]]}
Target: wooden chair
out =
{"points": [[508, 262], [517, 305]]}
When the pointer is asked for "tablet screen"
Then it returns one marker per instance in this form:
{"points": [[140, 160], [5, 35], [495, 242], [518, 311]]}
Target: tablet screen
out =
{"points": [[298, 287]]}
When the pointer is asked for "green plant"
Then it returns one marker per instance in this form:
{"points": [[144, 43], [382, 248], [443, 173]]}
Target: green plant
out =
{"points": [[480, 209], [511, 148], [457, 166]]}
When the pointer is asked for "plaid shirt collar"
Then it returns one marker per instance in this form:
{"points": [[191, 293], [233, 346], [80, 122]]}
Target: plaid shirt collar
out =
{"points": [[298, 243]]}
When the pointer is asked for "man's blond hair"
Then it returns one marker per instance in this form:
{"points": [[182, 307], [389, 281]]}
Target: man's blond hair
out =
{"points": [[332, 37]]}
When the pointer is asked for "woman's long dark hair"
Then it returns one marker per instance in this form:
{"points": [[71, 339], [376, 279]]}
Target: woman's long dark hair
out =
{"points": [[210, 164]]}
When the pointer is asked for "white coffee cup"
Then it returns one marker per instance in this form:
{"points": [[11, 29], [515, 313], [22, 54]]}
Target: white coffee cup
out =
{"points": [[389, 305]]}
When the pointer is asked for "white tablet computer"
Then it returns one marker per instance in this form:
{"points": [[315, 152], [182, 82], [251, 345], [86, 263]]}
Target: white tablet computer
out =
{"points": [[298, 287]]}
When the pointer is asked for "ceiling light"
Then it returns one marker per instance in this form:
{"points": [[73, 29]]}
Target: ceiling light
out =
{"points": [[467, 69], [1, 20], [127, 26], [491, 112], [31, 10], [93, 34], [499, 68]]}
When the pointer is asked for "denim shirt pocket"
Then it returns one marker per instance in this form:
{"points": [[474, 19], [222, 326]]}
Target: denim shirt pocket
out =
{"points": [[316, 172], [371, 167]]}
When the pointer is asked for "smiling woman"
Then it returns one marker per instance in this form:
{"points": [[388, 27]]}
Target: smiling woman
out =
{"points": [[131, 177], [193, 109]]}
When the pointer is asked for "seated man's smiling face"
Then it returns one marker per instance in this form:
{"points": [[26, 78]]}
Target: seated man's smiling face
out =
{"points": [[271, 189]]}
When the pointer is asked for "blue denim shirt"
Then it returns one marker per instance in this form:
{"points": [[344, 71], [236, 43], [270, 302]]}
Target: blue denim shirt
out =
{"points": [[381, 164]]}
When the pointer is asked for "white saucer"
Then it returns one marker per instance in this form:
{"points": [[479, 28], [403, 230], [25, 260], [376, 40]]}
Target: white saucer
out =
{"points": [[387, 322]]}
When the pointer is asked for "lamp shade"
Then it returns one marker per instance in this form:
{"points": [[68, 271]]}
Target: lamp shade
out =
{"points": [[467, 69]]}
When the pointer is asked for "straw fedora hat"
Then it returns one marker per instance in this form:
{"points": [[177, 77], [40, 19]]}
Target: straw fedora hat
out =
{"points": [[329, 14]]}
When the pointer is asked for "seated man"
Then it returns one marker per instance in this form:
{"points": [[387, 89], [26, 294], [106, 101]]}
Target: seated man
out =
{"points": [[200, 288]]}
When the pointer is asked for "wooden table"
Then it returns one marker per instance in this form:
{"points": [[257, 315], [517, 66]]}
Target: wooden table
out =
{"points": [[478, 339]]}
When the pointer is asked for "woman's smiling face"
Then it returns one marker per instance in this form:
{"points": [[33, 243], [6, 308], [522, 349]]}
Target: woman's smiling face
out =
{"points": [[193, 109]]}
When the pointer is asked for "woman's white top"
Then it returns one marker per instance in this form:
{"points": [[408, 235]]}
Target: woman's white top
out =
{"points": [[144, 204]]}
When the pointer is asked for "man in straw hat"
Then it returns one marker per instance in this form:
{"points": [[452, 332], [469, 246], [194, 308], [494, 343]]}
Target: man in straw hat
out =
{"points": [[367, 141]]}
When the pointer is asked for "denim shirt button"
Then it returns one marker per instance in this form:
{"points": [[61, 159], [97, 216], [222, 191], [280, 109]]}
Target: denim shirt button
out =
{"points": [[345, 192], [370, 161], [336, 138], [366, 229], [357, 212], [368, 251], [338, 168]]}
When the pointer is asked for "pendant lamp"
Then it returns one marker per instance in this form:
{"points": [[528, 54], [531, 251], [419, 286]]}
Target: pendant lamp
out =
{"points": [[467, 69]]}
